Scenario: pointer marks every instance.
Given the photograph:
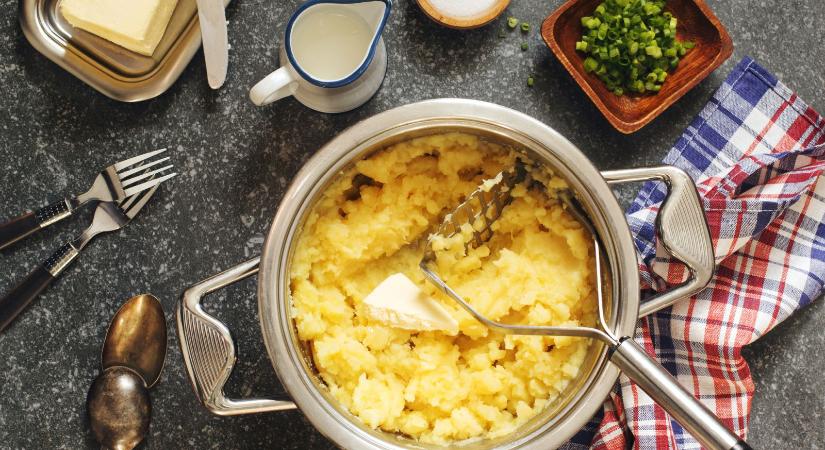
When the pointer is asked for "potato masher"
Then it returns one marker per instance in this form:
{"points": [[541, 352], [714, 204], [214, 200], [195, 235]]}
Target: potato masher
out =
{"points": [[480, 210]]}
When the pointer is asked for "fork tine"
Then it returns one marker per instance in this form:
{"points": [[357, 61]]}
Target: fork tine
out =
{"points": [[127, 173], [141, 200], [128, 201], [148, 184], [144, 176], [131, 161]]}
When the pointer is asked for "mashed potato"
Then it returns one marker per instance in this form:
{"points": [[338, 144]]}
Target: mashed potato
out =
{"points": [[431, 386]]}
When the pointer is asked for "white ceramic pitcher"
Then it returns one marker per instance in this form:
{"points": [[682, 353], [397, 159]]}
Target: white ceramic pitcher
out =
{"points": [[333, 57]]}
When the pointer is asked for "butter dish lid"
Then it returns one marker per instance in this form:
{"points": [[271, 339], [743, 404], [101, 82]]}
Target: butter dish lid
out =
{"points": [[110, 69]]}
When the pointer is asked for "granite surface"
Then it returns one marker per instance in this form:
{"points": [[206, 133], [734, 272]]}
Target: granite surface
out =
{"points": [[235, 161]]}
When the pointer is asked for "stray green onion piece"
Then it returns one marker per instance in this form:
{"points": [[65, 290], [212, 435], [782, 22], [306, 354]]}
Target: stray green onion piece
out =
{"points": [[631, 45], [512, 22], [530, 81], [525, 27], [524, 46]]}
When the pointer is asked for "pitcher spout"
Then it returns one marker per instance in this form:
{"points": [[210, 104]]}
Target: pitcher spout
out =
{"points": [[374, 12]]}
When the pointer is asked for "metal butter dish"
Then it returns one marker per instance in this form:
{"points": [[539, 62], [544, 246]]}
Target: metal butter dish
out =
{"points": [[112, 70]]}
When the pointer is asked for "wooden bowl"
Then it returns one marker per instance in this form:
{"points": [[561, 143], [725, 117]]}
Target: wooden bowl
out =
{"points": [[463, 23], [630, 112]]}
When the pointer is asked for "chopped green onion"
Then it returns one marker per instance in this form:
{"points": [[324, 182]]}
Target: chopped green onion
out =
{"points": [[593, 23], [631, 44], [530, 81], [525, 27], [651, 8], [653, 51], [590, 64], [524, 46], [512, 22]]}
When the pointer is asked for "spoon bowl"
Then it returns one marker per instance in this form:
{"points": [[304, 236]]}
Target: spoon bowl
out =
{"points": [[137, 338], [119, 408]]}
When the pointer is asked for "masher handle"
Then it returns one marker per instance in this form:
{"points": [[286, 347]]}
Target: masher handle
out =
{"points": [[665, 390]]}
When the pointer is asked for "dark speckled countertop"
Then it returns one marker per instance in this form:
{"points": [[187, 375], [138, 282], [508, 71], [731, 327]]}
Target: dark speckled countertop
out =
{"points": [[236, 160]]}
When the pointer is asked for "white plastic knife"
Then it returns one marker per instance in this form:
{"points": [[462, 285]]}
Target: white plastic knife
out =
{"points": [[215, 41]]}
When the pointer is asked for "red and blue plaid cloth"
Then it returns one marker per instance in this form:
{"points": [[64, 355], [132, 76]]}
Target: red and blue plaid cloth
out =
{"points": [[756, 153]]}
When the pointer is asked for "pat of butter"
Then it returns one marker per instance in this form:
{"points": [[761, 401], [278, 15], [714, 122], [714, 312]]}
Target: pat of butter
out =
{"points": [[137, 25], [398, 302]]}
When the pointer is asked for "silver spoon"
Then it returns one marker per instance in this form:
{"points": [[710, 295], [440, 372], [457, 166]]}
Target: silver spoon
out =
{"points": [[132, 359]]}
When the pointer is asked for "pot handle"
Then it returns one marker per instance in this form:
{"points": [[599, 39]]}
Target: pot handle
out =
{"points": [[209, 351], [682, 229], [666, 391]]}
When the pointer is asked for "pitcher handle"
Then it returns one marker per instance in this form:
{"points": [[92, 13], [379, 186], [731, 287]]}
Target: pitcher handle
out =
{"points": [[275, 86], [682, 228], [209, 351]]}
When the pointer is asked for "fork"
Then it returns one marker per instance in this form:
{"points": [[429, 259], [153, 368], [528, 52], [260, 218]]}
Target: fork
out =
{"points": [[108, 217], [113, 184]]}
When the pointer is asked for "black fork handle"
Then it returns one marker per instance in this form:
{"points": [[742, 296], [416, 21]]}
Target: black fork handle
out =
{"points": [[17, 228], [22, 295], [26, 224]]}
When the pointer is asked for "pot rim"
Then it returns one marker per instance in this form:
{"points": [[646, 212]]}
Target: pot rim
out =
{"points": [[274, 304]]}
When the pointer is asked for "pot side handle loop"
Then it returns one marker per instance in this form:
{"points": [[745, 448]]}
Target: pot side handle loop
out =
{"points": [[682, 229], [209, 351]]}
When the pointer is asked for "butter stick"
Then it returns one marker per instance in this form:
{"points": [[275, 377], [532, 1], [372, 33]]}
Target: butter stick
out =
{"points": [[136, 25]]}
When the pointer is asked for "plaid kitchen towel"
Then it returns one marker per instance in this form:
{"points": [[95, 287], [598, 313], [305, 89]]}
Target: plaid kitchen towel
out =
{"points": [[756, 153]]}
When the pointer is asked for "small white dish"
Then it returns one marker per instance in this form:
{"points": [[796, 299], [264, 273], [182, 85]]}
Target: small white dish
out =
{"points": [[463, 14]]}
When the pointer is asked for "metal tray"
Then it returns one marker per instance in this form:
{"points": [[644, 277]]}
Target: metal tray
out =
{"points": [[112, 70]]}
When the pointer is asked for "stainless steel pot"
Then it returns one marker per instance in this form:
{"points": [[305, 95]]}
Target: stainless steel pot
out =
{"points": [[209, 351]]}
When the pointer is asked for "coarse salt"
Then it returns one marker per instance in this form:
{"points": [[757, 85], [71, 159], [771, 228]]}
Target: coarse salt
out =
{"points": [[463, 8]]}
